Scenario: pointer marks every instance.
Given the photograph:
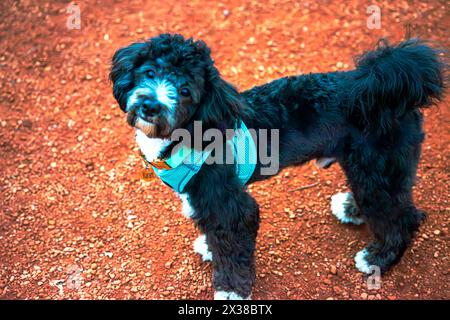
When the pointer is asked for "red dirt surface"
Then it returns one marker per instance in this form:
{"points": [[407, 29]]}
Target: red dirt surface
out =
{"points": [[69, 197]]}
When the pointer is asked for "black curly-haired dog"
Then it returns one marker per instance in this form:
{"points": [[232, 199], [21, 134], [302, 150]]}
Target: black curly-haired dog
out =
{"points": [[367, 119]]}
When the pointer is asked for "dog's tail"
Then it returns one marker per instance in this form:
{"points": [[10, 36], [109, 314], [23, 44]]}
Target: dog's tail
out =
{"points": [[393, 80]]}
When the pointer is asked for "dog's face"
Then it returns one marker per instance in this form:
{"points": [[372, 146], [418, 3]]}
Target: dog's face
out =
{"points": [[168, 82]]}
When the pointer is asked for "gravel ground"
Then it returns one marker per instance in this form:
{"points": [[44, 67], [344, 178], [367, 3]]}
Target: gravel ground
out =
{"points": [[77, 223]]}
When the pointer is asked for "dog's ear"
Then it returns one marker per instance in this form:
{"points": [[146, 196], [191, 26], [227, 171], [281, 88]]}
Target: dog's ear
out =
{"points": [[123, 62], [221, 104]]}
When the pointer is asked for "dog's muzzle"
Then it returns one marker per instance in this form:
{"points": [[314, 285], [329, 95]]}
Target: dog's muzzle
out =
{"points": [[149, 108]]}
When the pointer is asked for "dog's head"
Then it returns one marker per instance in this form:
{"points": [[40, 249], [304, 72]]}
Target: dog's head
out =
{"points": [[168, 82]]}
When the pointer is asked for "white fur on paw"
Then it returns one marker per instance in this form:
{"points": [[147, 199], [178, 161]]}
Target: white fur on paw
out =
{"points": [[338, 205], [186, 208], [224, 295], [201, 247], [361, 263]]}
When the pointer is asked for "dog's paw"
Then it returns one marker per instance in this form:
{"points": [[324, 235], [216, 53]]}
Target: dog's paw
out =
{"points": [[201, 247], [344, 208], [361, 262], [224, 295]]}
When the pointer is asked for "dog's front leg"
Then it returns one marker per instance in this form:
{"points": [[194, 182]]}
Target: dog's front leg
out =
{"points": [[231, 228]]}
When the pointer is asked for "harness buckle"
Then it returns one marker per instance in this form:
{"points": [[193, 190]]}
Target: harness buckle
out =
{"points": [[160, 164]]}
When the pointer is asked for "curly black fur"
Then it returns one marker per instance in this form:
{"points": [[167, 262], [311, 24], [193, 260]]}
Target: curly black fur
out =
{"points": [[369, 119]]}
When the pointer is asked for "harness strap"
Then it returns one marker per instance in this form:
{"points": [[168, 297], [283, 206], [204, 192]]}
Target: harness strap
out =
{"points": [[177, 170]]}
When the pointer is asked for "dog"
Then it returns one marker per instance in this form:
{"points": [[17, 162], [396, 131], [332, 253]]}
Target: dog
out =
{"points": [[368, 120]]}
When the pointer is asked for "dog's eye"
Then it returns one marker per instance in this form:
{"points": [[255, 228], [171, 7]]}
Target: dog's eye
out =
{"points": [[151, 74], [185, 92]]}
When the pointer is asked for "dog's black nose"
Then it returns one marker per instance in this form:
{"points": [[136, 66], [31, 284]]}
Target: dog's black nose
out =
{"points": [[150, 107]]}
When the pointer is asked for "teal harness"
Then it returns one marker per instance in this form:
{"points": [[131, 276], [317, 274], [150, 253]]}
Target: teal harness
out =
{"points": [[181, 166]]}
